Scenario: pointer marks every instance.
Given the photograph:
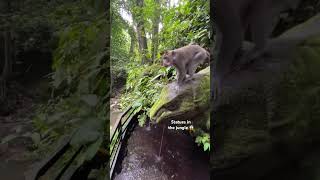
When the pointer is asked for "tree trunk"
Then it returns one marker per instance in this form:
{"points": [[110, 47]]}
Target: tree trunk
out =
{"points": [[168, 3], [3, 65], [133, 39], [155, 38], [7, 66], [142, 39], [7, 55], [143, 46]]}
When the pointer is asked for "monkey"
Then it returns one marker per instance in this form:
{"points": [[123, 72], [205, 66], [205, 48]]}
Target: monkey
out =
{"points": [[186, 60], [232, 20], [235, 18]]}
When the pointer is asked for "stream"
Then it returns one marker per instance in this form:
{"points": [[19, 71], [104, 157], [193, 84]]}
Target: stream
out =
{"points": [[180, 158]]}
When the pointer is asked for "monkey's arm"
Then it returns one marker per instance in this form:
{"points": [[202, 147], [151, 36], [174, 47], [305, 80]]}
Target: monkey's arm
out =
{"points": [[181, 72]]}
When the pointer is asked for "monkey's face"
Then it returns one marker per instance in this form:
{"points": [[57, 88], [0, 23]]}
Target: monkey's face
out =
{"points": [[167, 59]]}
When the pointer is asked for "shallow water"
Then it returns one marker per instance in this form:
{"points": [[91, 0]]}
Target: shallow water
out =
{"points": [[180, 158]]}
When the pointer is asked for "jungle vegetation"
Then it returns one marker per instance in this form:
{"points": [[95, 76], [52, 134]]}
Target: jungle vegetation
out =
{"points": [[140, 31]]}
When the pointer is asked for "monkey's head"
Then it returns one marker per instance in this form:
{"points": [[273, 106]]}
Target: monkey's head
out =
{"points": [[167, 58]]}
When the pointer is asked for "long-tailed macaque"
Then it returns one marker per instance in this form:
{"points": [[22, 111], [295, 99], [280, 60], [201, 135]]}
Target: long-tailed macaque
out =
{"points": [[186, 60], [234, 18]]}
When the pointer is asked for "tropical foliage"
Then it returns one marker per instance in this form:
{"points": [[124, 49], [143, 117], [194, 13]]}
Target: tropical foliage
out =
{"points": [[141, 30], [75, 35]]}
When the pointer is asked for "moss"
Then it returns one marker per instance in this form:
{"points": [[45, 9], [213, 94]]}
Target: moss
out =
{"points": [[190, 101], [164, 96], [185, 107], [298, 112], [204, 87], [246, 133]]}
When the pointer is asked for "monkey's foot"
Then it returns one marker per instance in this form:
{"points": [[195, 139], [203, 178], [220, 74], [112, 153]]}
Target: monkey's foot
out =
{"points": [[247, 58], [188, 80], [177, 87]]}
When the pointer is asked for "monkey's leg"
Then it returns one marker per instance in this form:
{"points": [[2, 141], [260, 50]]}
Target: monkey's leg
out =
{"points": [[181, 73], [191, 70], [192, 66], [232, 36], [229, 24], [261, 27]]}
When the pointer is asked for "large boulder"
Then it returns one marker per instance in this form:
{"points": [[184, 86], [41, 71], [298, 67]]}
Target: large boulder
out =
{"points": [[267, 125], [188, 102]]}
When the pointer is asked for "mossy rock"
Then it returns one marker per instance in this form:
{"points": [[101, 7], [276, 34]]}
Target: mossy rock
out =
{"points": [[188, 102], [270, 127]]}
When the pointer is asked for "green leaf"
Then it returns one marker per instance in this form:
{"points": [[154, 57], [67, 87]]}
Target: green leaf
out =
{"points": [[142, 119], [198, 139], [137, 104], [206, 146]]}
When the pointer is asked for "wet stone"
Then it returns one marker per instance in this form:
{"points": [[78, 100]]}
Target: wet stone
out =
{"points": [[180, 158]]}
